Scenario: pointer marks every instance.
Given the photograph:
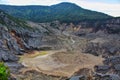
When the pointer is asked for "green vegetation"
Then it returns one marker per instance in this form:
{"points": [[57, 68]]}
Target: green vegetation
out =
{"points": [[9, 21], [63, 12], [4, 72]]}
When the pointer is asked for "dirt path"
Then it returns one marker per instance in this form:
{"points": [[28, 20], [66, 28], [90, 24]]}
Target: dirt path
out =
{"points": [[60, 63]]}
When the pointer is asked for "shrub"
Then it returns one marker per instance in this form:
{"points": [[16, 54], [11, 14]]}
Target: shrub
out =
{"points": [[4, 72]]}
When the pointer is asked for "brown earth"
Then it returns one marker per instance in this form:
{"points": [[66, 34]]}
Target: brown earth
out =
{"points": [[60, 62]]}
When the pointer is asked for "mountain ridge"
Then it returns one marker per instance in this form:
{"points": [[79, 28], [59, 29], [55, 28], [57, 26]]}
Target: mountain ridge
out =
{"points": [[63, 12]]}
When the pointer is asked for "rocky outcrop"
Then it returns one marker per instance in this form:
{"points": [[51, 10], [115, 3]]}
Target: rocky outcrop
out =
{"points": [[105, 45], [111, 26], [8, 45], [99, 76], [109, 70]]}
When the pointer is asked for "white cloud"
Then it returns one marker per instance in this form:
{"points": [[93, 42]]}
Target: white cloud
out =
{"points": [[109, 8], [33, 2]]}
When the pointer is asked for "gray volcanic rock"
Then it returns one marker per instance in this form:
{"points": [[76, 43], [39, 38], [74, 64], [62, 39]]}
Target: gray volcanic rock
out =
{"points": [[14, 43], [14, 66], [77, 78], [112, 60], [117, 67], [106, 45], [6, 55], [16, 37], [30, 40], [102, 69], [111, 65], [8, 46], [99, 76], [113, 25]]}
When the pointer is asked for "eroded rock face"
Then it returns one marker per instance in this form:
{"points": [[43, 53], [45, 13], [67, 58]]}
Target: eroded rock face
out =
{"points": [[107, 45], [30, 40], [111, 26], [109, 70], [8, 46], [99, 76], [15, 41]]}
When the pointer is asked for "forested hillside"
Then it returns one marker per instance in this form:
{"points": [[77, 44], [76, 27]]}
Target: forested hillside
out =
{"points": [[63, 12]]}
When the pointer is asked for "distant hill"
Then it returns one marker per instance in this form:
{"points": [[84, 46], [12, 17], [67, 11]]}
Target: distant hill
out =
{"points": [[64, 12]]}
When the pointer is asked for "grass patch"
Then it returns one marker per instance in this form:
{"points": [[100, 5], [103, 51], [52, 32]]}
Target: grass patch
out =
{"points": [[4, 72]]}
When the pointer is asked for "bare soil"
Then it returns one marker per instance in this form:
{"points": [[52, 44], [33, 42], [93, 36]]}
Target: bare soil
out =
{"points": [[60, 62]]}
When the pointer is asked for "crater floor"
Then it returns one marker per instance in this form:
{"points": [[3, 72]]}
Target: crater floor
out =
{"points": [[59, 62]]}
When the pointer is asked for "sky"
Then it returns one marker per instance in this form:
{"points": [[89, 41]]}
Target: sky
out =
{"points": [[111, 7]]}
